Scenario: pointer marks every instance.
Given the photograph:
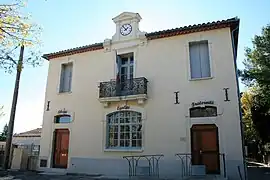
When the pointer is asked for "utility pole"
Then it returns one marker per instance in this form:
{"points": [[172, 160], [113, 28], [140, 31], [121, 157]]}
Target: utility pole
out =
{"points": [[13, 110]]}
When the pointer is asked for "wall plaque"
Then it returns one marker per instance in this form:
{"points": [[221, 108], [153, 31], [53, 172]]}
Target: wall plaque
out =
{"points": [[119, 108], [201, 103], [62, 111]]}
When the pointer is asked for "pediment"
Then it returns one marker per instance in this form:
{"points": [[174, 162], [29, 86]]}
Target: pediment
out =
{"points": [[127, 16]]}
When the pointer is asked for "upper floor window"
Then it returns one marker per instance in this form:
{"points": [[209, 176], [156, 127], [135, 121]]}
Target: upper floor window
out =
{"points": [[207, 111], [199, 60], [66, 77], [62, 119], [125, 64], [126, 70], [124, 129]]}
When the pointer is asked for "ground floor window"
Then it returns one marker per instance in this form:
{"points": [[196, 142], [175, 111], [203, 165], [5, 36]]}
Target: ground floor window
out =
{"points": [[62, 119], [207, 111], [124, 129]]}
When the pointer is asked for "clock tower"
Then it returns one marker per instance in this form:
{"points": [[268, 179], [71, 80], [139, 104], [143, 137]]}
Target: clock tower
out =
{"points": [[127, 33], [127, 26]]}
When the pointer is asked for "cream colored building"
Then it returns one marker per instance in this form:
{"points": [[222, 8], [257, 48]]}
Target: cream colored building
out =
{"points": [[169, 94]]}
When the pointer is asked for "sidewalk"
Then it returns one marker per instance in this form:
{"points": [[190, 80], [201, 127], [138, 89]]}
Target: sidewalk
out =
{"points": [[256, 164]]}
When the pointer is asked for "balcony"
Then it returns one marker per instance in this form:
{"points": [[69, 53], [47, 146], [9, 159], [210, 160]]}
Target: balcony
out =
{"points": [[131, 89]]}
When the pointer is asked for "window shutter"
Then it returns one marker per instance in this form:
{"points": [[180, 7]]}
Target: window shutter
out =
{"points": [[195, 63], [205, 62], [70, 76], [66, 78], [62, 78]]}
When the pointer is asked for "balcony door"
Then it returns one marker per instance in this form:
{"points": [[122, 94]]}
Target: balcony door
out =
{"points": [[126, 73]]}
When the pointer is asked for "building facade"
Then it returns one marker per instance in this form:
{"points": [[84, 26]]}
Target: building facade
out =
{"points": [[169, 95]]}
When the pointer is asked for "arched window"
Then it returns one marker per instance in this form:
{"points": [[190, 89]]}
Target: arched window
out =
{"points": [[62, 118], [124, 129], [207, 111]]}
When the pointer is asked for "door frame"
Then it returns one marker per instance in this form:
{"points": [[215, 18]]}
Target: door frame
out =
{"points": [[208, 127], [53, 163]]}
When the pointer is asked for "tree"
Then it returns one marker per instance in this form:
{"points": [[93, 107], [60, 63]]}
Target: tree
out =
{"points": [[1, 111], [256, 123], [250, 132], [257, 63], [257, 74], [16, 30], [3, 135]]}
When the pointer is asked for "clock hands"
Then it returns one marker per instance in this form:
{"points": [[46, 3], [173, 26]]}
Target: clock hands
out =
{"points": [[126, 29]]}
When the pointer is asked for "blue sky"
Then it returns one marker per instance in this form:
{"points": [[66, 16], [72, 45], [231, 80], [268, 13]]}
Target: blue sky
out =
{"points": [[72, 23]]}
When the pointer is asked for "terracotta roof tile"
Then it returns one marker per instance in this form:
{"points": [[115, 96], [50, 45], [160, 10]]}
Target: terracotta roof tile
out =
{"points": [[233, 22]]}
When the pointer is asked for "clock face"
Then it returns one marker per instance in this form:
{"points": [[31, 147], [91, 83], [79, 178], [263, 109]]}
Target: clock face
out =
{"points": [[126, 29]]}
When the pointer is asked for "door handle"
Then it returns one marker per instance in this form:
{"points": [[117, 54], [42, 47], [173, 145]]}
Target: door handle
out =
{"points": [[201, 151]]}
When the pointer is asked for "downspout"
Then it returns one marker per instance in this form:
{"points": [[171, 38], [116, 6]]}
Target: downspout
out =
{"points": [[239, 99]]}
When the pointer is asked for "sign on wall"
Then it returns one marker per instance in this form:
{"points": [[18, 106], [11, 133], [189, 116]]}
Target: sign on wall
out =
{"points": [[119, 108], [201, 103], [62, 111]]}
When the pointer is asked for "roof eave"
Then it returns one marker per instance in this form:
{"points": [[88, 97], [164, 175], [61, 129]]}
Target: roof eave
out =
{"points": [[229, 23]]}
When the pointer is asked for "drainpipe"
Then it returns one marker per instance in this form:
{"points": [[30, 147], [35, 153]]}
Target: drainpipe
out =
{"points": [[239, 99]]}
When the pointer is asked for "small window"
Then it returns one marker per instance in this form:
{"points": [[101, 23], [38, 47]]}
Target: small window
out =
{"points": [[199, 60], [66, 77], [43, 163], [207, 111], [124, 130], [62, 119]]}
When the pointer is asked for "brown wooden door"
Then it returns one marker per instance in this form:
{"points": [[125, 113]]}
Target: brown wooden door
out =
{"points": [[205, 148], [61, 144]]}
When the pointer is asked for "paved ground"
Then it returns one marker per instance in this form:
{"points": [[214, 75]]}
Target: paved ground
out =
{"points": [[29, 175], [255, 172]]}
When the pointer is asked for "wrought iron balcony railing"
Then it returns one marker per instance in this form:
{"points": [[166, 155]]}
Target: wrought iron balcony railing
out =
{"points": [[128, 87]]}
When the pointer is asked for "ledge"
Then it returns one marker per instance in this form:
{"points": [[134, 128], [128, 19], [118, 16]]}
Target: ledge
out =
{"points": [[198, 79], [124, 150], [139, 97]]}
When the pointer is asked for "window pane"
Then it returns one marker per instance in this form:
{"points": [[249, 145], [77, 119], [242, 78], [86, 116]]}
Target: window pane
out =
{"points": [[63, 119], [112, 140], [131, 70], [139, 143], [123, 70], [127, 143], [134, 136], [124, 60], [205, 62], [122, 143], [122, 135], [139, 135], [134, 143], [131, 60], [207, 111], [195, 63]]}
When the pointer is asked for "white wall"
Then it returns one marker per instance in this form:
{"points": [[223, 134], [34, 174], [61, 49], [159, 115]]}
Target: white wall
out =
{"points": [[165, 63]]}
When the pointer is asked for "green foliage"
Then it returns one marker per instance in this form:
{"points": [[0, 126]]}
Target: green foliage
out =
{"points": [[250, 133], [257, 63], [3, 135], [16, 29], [257, 75], [1, 111]]}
